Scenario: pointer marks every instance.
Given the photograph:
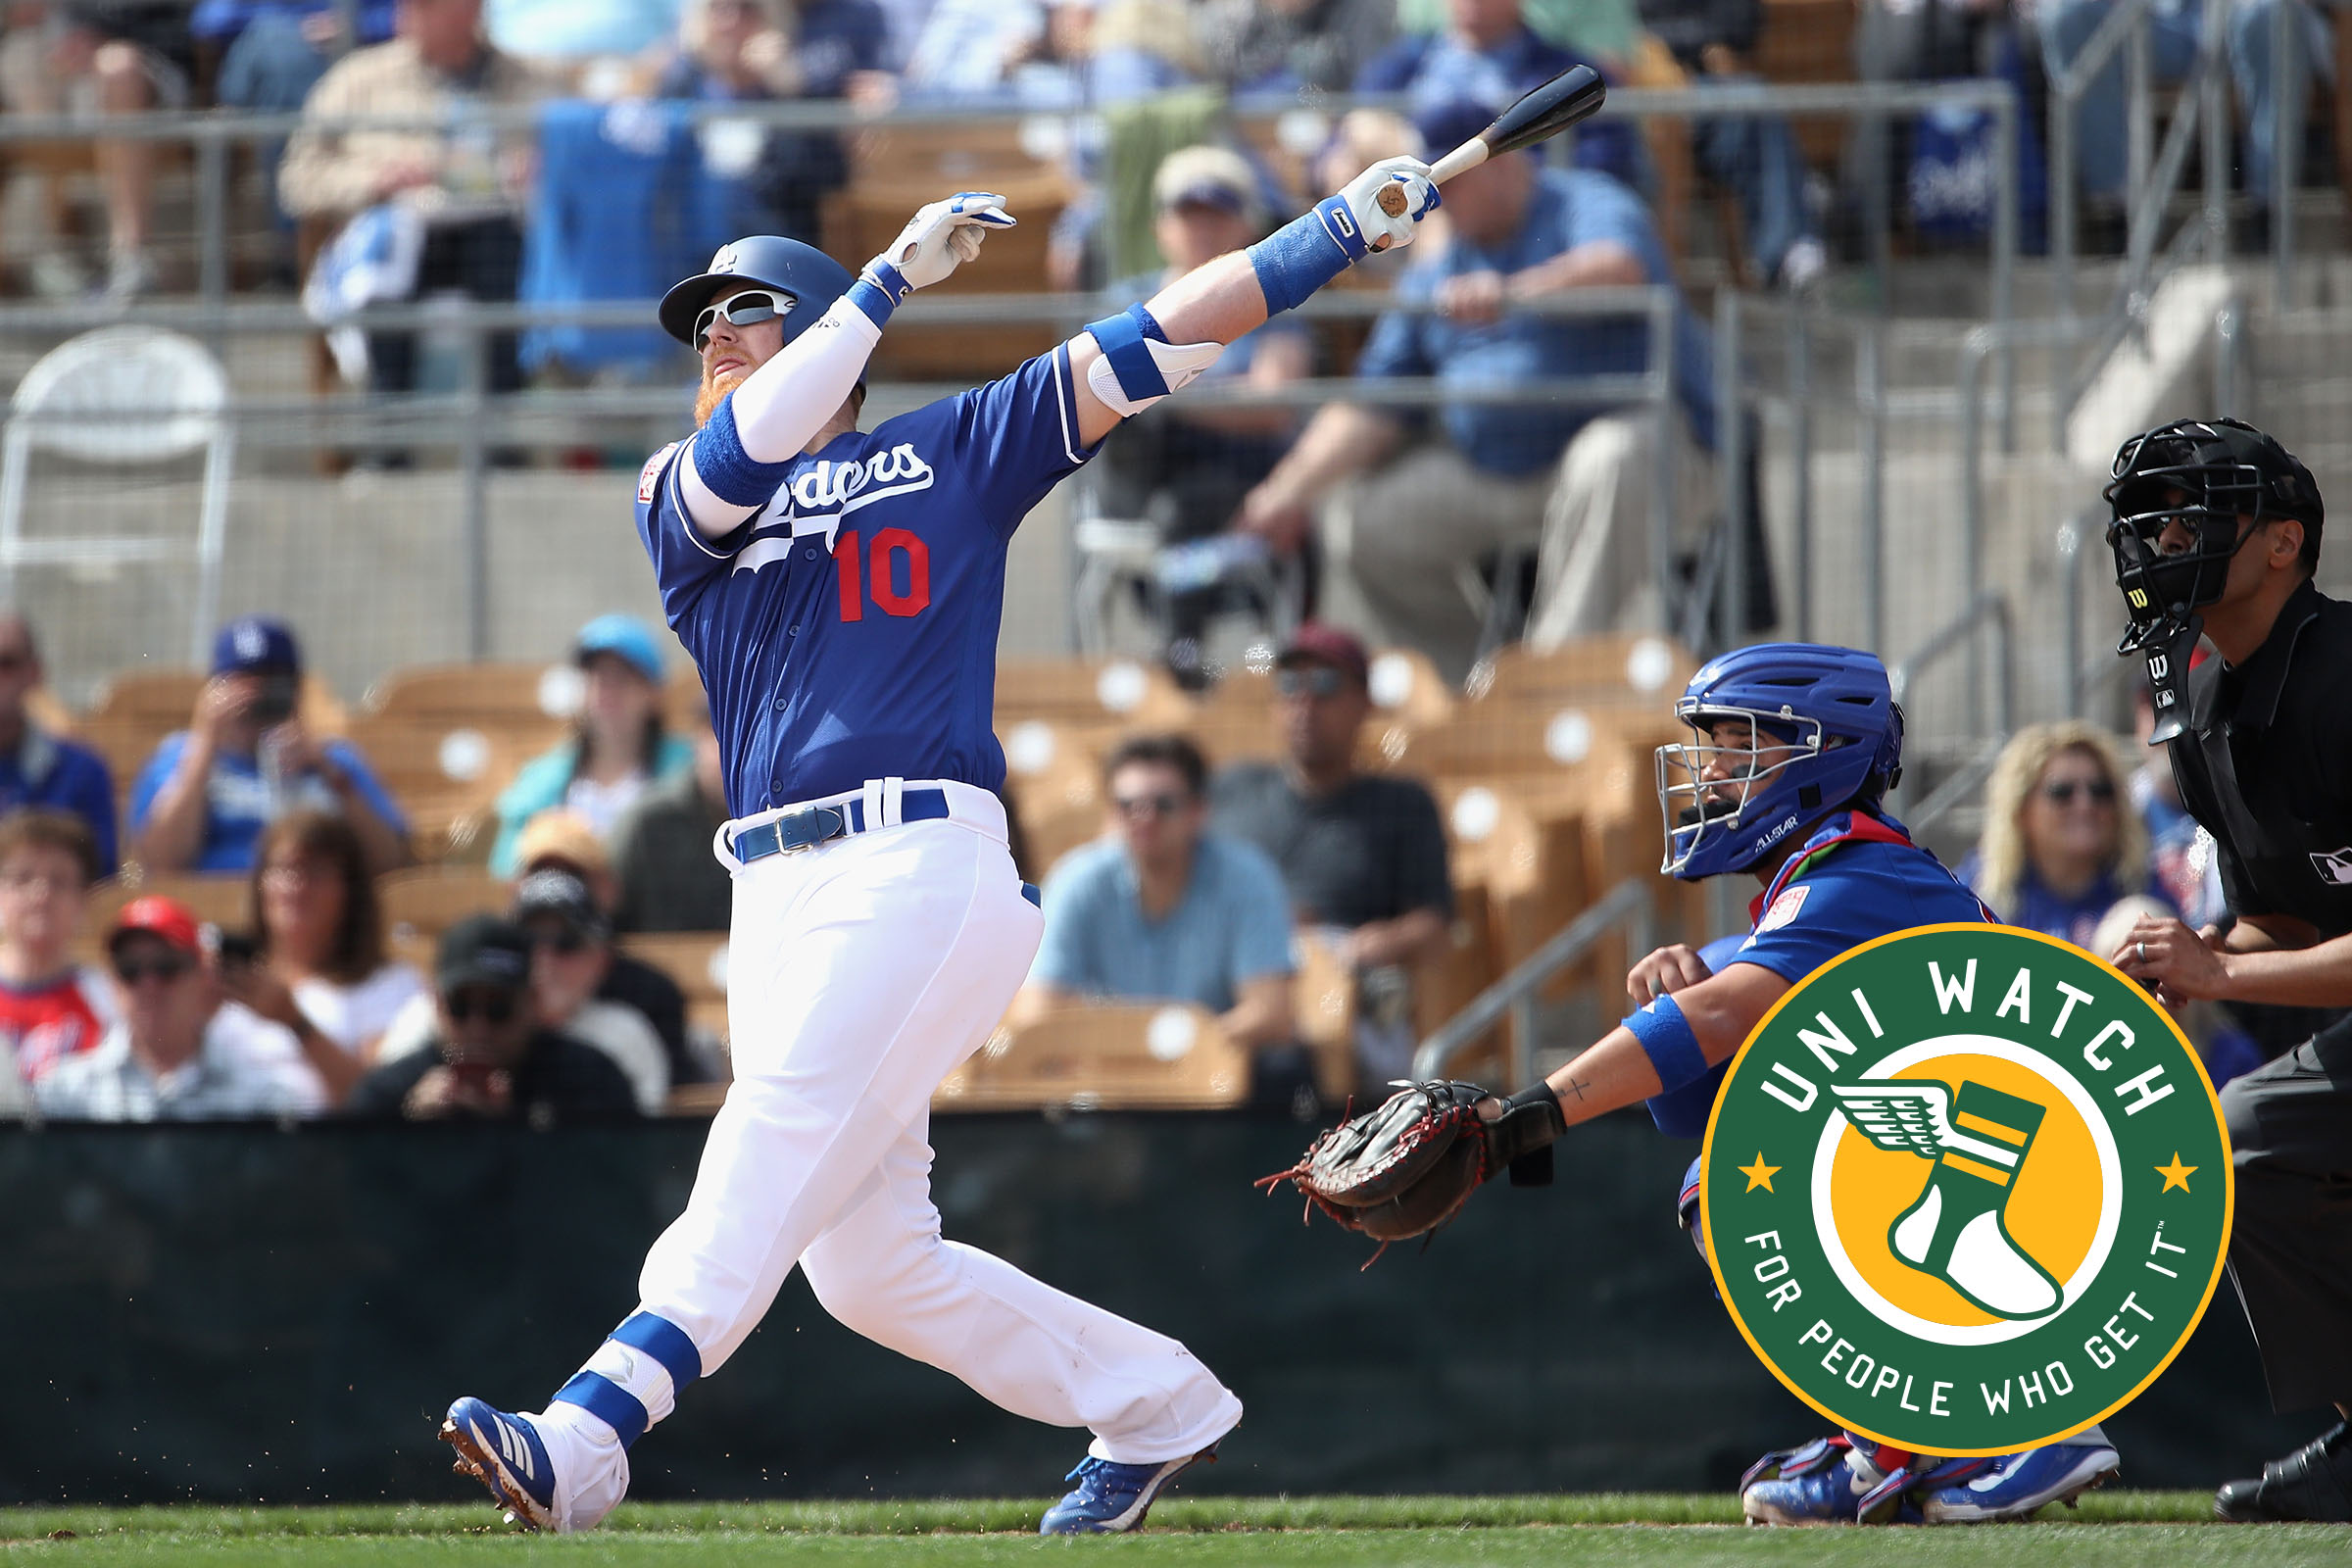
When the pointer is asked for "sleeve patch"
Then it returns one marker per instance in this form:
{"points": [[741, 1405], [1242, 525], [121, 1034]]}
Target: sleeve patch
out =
{"points": [[649, 477], [1784, 908]]}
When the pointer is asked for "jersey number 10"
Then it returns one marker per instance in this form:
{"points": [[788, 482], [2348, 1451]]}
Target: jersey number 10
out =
{"points": [[849, 556]]}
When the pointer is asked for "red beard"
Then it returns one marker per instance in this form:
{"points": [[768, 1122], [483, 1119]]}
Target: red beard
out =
{"points": [[707, 397]]}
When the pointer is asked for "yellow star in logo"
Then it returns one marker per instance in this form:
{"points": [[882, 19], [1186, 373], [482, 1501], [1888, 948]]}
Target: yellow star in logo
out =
{"points": [[1760, 1174], [2176, 1174]]}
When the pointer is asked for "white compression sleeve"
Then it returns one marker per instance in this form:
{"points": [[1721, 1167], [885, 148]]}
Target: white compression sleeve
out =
{"points": [[772, 416]]}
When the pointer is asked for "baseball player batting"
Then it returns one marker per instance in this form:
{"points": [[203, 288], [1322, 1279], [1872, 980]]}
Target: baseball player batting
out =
{"points": [[841, 591]]}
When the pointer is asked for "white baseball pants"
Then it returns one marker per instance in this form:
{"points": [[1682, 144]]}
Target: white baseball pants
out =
{"points": [[860, 973]]}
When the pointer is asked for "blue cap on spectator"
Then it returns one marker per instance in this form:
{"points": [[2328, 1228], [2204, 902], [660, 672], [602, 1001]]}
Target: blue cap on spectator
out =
{"points": [[1446, 126], [625, 637], [252, 643]]}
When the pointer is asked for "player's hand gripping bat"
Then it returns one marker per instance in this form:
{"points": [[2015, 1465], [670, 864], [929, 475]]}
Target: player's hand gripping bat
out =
{"points": [[1567, 98]]}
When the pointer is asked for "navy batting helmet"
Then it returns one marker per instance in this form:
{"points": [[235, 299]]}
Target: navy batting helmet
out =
{"points": [[814, 280]]}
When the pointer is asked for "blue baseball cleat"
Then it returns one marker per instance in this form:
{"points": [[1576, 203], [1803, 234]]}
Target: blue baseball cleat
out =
{"points": [[1110, 1497], [1822, 1482], [504, 1453], [2015, 1485]]}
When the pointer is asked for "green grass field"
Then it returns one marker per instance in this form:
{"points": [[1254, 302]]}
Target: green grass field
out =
{"points": [[2115, 1529]]}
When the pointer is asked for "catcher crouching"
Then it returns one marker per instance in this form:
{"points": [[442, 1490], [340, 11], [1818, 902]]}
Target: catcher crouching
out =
{"points": [[1793, 747]]}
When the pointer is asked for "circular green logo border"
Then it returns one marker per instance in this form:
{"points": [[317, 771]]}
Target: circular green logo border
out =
{"points": [[1856, 1094]]}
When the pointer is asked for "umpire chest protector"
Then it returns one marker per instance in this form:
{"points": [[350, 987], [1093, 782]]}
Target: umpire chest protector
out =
{"points": [[2266, 765]]}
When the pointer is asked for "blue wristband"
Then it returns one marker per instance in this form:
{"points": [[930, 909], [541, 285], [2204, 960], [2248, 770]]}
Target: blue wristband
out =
{"points": [[1666, 1039], [878, 291], [1306, 253], [733, 475]]}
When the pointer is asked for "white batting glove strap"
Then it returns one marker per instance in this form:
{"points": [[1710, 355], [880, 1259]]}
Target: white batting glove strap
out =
{"points": [[939, 238], [1380, 228], [1180, 365]]}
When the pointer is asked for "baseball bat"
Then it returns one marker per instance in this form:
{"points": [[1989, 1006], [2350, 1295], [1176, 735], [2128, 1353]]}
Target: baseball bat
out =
{"points": [[1547, 110]]}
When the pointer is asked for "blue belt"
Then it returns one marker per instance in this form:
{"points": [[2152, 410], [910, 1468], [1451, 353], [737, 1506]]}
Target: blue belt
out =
{"points": [[806, 830]]}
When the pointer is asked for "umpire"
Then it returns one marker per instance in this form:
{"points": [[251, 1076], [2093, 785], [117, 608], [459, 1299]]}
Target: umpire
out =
{"points": [[2217, 528]]}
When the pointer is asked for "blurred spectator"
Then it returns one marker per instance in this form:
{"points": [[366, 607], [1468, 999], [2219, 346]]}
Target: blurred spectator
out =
{"points": [[1183, 467], [50, 1007], [1362, 854], [1488, 55], [39, 768], [317, 934], [1161, 910], [975, 49], [618, 743], [2175, 28], [670, 880], [2061, 847], [488, 1058], [421, 212], [1293, 46], [181, 1052], [90, 59], [245, 760], [274, 51], [757, 50], [1573, 480], [1753, 156], [571, 953], [562, 841]]}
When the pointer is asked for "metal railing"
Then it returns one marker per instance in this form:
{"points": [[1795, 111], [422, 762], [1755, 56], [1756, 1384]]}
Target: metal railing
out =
{"points": [[1985, 612], [1626, 906], [211, 134]]}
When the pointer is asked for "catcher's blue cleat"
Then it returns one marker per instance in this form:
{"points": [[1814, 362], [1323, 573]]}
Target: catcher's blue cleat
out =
{"points": [[504, 1453], [2015, 1485], [1110, 1497], [1822, 1482]]}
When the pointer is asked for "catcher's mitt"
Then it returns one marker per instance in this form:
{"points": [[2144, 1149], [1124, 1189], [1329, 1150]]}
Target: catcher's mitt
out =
{"points": [[1407, 1167]]}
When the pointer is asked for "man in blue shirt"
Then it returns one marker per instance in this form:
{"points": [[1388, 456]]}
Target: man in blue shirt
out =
{"points": [[1573, 480], [39, 768], [1488, 54], [1164, 910], [246, 758]]}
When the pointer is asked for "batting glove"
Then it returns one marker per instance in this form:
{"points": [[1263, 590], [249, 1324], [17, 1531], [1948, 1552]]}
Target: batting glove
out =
{"points": [[936, 241], [1406, 183]]}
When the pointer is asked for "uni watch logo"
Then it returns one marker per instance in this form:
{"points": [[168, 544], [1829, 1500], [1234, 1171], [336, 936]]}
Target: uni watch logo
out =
{"points": [[1966, 1190]]}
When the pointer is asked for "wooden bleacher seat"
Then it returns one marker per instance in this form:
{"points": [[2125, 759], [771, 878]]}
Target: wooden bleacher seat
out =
{"points": [[1445, 985], [1054, 784], [896, 169], [446, 775], [1114, 1058], [422, 901], [1323, 998], [1631, 668], [224, 899], [697, 960], [1081, 695], [455, 694]]}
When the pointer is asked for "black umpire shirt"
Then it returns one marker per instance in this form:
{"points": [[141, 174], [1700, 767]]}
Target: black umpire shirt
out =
{"points": [[2266, 765]]}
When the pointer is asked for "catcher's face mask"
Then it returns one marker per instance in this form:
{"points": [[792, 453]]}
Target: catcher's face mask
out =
{"points": [[1726, 779]]}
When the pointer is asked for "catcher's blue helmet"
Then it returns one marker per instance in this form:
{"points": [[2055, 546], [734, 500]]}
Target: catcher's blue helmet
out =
{"points": [[1823, 731], [813, 279]]}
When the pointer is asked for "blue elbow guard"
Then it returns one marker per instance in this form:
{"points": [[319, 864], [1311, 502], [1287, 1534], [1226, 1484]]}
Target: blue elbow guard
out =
{"points": [[1122, 339], [1666, 1039], [733, 475], [1306, 253]]}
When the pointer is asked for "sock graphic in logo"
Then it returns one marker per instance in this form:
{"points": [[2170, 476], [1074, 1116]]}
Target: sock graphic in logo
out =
{"points": [[1955, 1231]]}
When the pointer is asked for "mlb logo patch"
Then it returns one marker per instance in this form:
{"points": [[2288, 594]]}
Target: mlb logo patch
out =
{"points": [[1783, 909], [2335, 866], [649, 478]]}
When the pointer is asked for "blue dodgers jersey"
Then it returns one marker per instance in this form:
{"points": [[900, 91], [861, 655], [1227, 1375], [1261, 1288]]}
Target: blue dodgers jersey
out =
{"points": [[848, 630], [1855, 878]]}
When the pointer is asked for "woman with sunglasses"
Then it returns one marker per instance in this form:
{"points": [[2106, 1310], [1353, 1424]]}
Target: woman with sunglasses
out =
{"points": [[317, 959], [2062, 844]]}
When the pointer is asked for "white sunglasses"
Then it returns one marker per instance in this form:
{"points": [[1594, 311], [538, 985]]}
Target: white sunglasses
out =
{"points": [[740, 310]]}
